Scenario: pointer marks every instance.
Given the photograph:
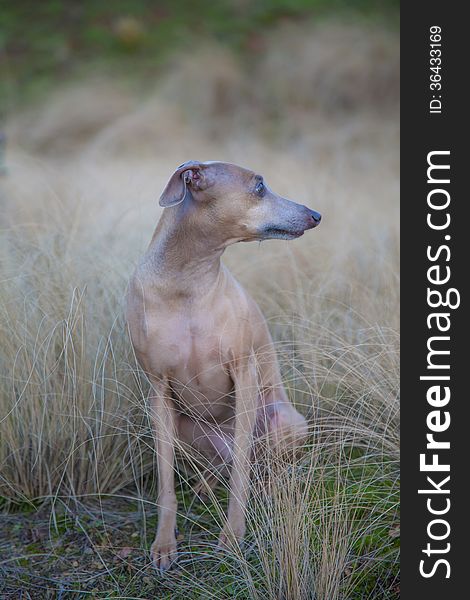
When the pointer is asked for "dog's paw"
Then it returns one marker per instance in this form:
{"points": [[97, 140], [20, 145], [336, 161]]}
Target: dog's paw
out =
{"points": [[163, 553]]}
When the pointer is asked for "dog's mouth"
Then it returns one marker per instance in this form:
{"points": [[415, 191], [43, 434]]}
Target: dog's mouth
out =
{"points": [[281, 234]]}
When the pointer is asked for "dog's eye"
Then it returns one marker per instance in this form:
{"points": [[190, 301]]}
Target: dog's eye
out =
{"points": [[260, 189]]}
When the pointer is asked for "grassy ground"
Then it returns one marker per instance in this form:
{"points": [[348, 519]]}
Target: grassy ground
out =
{"points": [[83, 171], [100, 549]]}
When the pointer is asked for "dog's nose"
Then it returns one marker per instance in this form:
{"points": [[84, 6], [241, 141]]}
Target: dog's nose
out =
{"points": [[316, 216]]}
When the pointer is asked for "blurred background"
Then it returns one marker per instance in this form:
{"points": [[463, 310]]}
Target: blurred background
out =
{"points": [[54, 41], [99, 103], [236, 65]]}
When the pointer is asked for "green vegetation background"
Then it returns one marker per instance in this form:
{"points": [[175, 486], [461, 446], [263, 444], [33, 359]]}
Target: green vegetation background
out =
{"points": [[44, 43]]}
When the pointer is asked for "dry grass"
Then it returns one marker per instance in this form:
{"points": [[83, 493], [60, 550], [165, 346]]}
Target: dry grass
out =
{"points": [[79, 203]]}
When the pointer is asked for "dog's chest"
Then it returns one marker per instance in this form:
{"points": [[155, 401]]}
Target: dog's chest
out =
{"points": [[195, 357]]}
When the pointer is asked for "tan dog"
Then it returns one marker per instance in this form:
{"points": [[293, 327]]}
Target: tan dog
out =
{"points": [[203, 342]]}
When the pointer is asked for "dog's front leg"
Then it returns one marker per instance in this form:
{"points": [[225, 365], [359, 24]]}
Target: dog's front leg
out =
{"points": [[163, 550], [246, 403]]}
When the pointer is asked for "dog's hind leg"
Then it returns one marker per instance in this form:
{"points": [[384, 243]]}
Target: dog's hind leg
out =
{"points": [[279, 425]]}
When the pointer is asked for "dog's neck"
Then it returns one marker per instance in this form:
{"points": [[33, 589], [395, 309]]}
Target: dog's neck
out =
{"points": [[181, 257]]}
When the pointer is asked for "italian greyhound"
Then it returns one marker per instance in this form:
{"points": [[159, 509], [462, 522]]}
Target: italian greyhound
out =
{"points": [[203, 342]]}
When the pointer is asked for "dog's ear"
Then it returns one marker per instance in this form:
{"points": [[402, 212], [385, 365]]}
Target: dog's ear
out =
{"points": [[175, 190]]}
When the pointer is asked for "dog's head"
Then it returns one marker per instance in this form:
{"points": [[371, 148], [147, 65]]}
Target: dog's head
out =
{"points": [[235, 203]]}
